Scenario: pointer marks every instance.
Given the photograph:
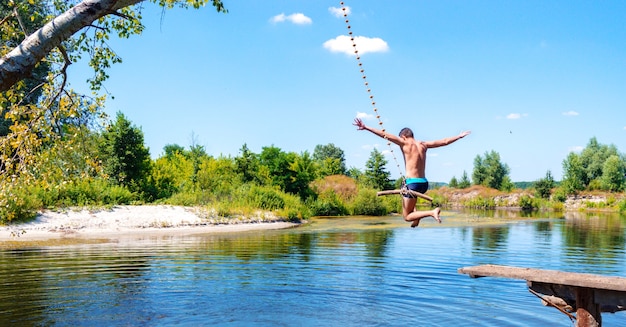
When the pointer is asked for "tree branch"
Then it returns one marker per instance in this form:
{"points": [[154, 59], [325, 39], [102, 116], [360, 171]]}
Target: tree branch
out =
{"points": [[20, 62], [63, 72], [19, 21]]}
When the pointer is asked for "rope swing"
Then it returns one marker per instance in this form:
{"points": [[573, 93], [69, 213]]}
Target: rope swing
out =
{"points": [[403, 190]]}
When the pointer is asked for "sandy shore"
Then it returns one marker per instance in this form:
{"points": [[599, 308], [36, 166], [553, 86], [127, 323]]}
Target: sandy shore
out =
{"points": [[126, 221]]}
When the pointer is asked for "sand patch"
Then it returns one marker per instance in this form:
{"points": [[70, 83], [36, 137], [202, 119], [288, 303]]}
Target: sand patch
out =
{"points": [[127, 220]]}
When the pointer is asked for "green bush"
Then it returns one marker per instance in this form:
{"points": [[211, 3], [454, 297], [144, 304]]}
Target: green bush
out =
{"points": [[369, 204], [393, 203], [480, 202], [560, 195], [266, 198], [438, 200], [527, 203], [84, 192], [17, 203], [328, 204], [188, 198]]}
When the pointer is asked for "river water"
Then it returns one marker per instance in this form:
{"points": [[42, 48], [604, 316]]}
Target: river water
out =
{"points": [[354, 271]]}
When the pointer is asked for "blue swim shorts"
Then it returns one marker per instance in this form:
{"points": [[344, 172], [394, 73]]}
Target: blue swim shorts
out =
{"points": [[419, 185]]}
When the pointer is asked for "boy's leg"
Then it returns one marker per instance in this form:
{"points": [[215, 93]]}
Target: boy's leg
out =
{"points": [[408, 207], [416, 216]]}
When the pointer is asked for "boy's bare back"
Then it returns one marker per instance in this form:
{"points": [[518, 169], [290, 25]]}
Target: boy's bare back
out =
{"points": [[414, 152]]}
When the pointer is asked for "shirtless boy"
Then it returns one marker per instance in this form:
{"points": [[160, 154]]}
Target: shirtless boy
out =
{"points": [[414, 153]]}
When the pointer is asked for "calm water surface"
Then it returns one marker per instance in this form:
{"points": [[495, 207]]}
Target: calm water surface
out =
{"points": [[359, 271]]}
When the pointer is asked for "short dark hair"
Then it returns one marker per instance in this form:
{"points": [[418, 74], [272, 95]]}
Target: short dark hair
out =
{"points": [[407, 132]]}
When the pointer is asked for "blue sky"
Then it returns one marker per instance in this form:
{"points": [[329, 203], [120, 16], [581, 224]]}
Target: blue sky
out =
{"points": [[532, 80]]}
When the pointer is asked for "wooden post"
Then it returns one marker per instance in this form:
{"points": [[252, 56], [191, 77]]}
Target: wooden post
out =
{"points": [[588, 312], [590, 294], [417, 194]]}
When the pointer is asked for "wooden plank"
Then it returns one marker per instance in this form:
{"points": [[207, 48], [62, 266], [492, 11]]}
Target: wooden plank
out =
{"points": [[587, 311], [417, 194], [614, 300], [548, 276]]}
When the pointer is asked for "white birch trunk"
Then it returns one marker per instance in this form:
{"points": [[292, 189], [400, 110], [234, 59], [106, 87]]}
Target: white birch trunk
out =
{"points": [[19, 63]]}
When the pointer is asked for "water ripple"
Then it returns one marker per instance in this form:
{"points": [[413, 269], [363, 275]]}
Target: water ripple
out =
{"points": [[394, 277]]}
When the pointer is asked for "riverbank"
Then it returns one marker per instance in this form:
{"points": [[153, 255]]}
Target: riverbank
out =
{"points": [[133, 221], [584, 201]]}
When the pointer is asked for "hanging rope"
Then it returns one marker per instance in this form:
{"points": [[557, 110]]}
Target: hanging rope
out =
{"points": [[403, 189]]}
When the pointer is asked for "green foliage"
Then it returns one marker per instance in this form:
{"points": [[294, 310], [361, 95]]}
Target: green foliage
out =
{"points": [[124, 157], [574, 177], [290, 172], [171, 150], [355, 173], [18, 202], [277, 163], [438, 201], [490, 172], [219, 6], [453, 183], [543, 187], [170, 175], [559, 195], [614, 174], [265, 197], [507, 185], [527, 203], [185, 198], [594, 185], [328, 204], [84, 192], [464, 182], [597, 167], [376, 175], [368, 203], [304, 172], [247, 163], [330, 159], [218, 176], [294, 209], [480, 202]]}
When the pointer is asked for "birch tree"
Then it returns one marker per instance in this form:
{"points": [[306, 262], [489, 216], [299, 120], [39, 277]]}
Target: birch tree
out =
{"points": [[38, 107]]}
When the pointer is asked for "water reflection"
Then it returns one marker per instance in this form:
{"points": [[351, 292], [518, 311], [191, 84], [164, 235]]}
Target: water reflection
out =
{"points": [[594, 239], [340, 271], [489, 238]]}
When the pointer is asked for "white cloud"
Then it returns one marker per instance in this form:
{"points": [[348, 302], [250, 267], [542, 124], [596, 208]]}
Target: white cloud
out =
{"points": [[364, 115], [625, 128], [576, 148], [297, 18], [570, 113], [338, 12], [342, 43], [515, 116]]}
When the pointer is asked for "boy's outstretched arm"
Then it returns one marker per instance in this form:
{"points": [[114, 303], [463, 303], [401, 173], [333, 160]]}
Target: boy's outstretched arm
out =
{"points": [[447, 140], [361, 126]]}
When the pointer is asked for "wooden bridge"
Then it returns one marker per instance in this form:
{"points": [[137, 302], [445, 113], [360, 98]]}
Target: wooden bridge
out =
{"points": [[587, 295]]}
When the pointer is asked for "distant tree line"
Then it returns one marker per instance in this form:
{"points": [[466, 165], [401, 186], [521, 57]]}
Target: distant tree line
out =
{"points": [[597, 167]]}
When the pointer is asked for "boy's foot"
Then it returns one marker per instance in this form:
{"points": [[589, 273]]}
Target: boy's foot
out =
{"points": [[415, 223], [436, 214]]}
